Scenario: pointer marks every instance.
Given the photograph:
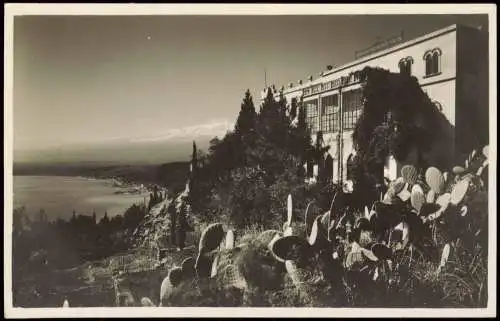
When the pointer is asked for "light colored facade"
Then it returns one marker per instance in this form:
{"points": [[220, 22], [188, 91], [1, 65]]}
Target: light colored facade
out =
{"points": [[451, 66]]}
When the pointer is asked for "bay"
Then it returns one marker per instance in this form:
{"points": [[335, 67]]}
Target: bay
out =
{"points": [[59, 196]]}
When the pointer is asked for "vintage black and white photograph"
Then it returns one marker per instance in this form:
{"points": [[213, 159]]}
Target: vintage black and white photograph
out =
{"points": [[287, 156]]}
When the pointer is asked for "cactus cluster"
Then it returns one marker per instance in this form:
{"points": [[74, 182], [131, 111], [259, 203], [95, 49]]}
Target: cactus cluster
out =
{"points": [[401, 225], [345, 247]]}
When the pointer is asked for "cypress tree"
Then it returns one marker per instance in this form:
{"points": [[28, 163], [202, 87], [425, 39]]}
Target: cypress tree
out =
{"points": [[245, 122]]}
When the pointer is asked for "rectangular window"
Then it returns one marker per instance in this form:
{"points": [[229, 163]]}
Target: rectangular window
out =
{"points": [[312, 115], [330, 114], [352, 107]]}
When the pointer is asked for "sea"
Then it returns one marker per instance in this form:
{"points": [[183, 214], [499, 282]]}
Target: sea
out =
{"points": [[59, 196]]}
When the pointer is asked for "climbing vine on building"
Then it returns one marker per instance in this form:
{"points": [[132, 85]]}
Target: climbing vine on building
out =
{"points": [[397, 118]]}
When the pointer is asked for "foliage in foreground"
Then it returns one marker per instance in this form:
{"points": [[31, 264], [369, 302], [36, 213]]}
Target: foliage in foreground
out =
{"points": [[423, 245]]}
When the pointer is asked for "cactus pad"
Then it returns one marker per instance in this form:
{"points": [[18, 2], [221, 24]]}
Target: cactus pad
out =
{"points": [[175, 276], [444, 256], [215, 265], [230, 276], [271, 246], [389, 196], [434, 179], [363, 224], [445, 177], [458, 170], [298, 275], [409, 174], [289, 209], [404, 195], [325, 220], [459, 191], [417, 197], [398, 185], [146, 302], [229, 240], [382, 251], [485, 151], [187, 267], [431, 196], [443, 200], [309, 218], [288, 231], [211, 238], [203, 265], [355, 258], [428, 208], [313, 236], [290, 247]]}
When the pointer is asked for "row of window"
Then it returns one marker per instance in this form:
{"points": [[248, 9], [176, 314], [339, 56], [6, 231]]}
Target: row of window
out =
{"points": [[432, 60], [330, 115]]}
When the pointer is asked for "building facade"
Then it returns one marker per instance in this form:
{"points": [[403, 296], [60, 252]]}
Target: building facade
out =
{"points": [[451, 66]]}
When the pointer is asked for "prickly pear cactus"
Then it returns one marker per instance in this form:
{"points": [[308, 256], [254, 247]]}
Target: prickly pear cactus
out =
{"points": [[409, 174], [431, 196], [381, 251], [175, 275], [215, 266], [444, 256], [230, 276], [272, 245], [313, 235], [289, 247], [486, 151], [459, 191], [434, 179], [187, 267], [211, 238], [309, 218], [398, 185], [229, 240], [458, 170], [146, 302], [298, 275], [289, 209], [358, 256], [173, 279], [443, 200], [417, 197], [446, 177]]}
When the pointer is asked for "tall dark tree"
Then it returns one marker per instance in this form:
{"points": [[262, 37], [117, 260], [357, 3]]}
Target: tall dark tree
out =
{"points": [[245, 122], [293, 109], [300, 143]]}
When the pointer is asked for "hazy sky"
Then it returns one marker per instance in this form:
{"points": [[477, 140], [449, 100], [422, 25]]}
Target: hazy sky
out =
{"points": [[93, 78]]}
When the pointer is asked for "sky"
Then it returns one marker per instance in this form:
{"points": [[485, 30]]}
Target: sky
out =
{"points": [[91, 79]]}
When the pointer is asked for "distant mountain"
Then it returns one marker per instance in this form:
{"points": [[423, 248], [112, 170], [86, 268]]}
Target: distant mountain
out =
{"points": [[174, 146]]}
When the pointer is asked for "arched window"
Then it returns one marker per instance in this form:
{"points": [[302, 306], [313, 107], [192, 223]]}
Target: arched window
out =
{"points": [[432, 62], [435, 62], [405, 65]]}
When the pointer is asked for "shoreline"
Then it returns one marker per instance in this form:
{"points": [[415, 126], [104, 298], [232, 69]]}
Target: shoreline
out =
{"points": [[117, 182], [124, 193]]}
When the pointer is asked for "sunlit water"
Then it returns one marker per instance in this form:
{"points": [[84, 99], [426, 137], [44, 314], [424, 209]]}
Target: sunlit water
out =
{"points": [[59, 196]]}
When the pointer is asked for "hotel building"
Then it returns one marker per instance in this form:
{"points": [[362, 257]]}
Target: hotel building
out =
{"points": [[451, 66]]}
